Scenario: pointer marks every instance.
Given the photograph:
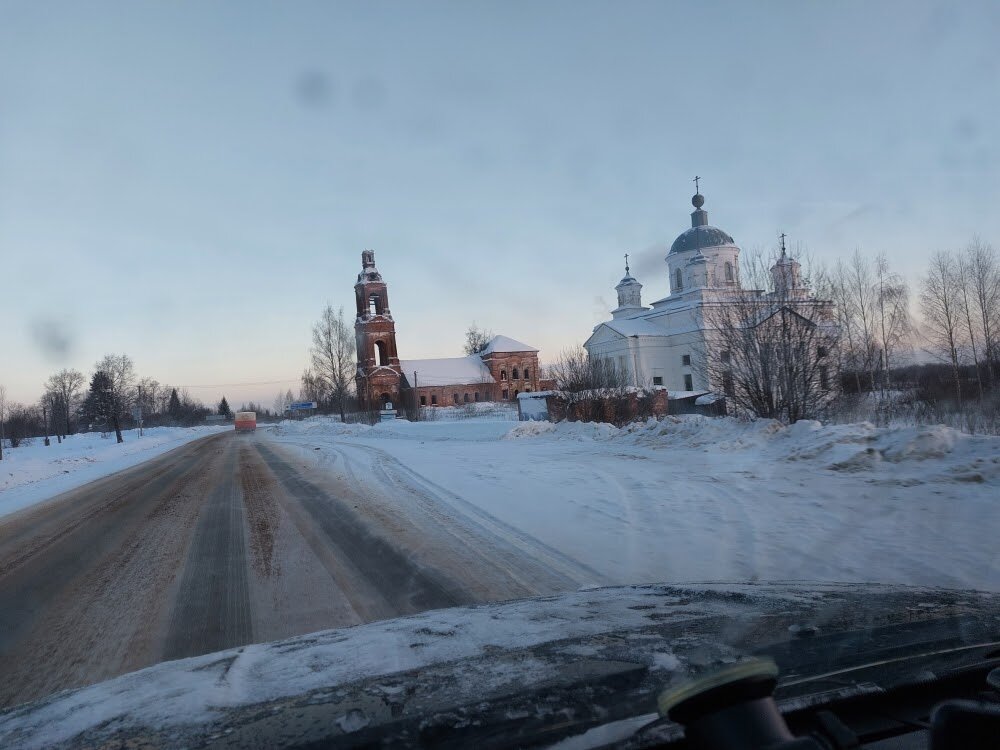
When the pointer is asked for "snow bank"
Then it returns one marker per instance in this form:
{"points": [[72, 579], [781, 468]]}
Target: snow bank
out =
{"points": [[33, 473], [325, 428], [850, 447]]}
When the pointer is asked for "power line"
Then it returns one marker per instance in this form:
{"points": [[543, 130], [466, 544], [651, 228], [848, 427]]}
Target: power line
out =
{"points": [[234, 385]]}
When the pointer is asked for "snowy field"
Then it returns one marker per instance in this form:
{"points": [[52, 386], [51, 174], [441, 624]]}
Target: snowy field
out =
{"points": [[33, 473], [697, 499]]}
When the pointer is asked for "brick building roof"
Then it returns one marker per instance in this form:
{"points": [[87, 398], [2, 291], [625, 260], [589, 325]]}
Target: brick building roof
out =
{"points": [[447, 371], [500, 344]]}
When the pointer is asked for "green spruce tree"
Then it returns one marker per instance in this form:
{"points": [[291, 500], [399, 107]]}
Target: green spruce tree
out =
{"points": [[174, 408]]}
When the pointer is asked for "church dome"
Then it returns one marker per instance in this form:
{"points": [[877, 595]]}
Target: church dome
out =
{"points": [[700, 235]]}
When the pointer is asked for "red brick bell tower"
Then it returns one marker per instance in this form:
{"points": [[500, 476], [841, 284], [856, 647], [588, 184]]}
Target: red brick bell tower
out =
{"points": [[379, 374]]}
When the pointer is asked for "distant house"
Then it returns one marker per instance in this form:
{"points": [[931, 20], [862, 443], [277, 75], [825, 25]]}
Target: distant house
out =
{"points": [[504, 369]]}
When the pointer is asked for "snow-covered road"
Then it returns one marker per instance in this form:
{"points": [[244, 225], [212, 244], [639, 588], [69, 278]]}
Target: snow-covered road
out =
{"points": [[695, 499]]}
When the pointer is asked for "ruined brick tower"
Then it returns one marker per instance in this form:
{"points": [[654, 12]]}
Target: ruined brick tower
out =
{"points": [[379, 374]]}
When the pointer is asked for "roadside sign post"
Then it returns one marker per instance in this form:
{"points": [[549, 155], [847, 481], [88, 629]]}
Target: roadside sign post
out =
{"points": [[302, 406]]}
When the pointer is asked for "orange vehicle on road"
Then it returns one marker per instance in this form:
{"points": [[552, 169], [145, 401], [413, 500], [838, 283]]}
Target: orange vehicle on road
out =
{"points": [[246, 421]]}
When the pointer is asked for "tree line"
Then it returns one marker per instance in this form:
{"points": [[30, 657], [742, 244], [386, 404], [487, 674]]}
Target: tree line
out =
{"points": [[113, 399]]}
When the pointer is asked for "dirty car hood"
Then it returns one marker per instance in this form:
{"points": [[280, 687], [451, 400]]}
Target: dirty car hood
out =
{"points": [[524, 672]]}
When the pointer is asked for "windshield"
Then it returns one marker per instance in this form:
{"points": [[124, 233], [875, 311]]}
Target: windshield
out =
{"points": [[318, 316]]}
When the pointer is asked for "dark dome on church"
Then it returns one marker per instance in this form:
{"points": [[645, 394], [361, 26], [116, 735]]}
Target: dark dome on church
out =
{"points": [[699, 237]]}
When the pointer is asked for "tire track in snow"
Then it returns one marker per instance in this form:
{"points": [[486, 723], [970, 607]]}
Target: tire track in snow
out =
{"points": [[519, 549], [212, 609]]}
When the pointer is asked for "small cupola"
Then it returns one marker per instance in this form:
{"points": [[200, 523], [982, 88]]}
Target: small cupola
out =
{"points": [[629, 295], [786, 273]]}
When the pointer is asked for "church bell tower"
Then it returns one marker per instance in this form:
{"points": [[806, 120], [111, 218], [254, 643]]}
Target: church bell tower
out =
{"points": [[379, 374]]}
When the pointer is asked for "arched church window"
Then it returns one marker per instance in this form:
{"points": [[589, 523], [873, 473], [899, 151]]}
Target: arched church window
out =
{"points": [[527, 374], [476, 395], [503, 374], [380, 354], [678, 280], [729, 271], [454, 397], [465, 398], [514, 374]]}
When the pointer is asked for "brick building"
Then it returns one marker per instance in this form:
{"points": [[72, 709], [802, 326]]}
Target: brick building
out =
{"points": [[500, 372]]}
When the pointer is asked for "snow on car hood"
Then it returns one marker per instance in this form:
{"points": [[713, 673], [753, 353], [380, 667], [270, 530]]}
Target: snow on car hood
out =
{"points": [[351, 680]]}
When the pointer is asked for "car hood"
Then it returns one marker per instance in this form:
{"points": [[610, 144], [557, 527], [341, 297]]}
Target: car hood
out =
{"points": [[524, 672]]}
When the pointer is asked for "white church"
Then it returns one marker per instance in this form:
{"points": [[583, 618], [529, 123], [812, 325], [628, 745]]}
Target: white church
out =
{"points": [[661, 344]]}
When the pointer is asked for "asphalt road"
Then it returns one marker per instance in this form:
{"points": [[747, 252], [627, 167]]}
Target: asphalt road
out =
{"points": [[226, 541]]}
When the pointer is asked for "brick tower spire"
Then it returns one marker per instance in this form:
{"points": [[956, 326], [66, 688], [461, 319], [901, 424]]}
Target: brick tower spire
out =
{"points": [[379, 374]]}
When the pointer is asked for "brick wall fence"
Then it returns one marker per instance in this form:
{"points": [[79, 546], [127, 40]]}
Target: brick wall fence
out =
{"points": [[611, 409]]}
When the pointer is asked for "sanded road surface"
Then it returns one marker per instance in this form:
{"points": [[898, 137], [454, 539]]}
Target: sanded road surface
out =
{"points": [[227, 541]]}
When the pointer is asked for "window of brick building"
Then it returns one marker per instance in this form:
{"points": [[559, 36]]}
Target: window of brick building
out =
{"points": [[503, 374], [455, 397], [434, 400], [514, 374], [477, 395], [527, 374], [423, 400], [505, 394]]}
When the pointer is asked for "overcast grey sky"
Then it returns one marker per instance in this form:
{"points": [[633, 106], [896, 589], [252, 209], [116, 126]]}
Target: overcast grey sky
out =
{"points": [[190, 183]]}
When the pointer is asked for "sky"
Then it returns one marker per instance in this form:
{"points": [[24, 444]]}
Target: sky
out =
{"points": [[191, 183]]}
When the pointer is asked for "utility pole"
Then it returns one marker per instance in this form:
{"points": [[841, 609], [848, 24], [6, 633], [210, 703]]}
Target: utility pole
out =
{"points": [[416, 401], [113, 403], [3, 408]]}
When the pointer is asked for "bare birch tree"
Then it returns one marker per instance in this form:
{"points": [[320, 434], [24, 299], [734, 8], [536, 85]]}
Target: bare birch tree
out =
{"points": [[3, 415], [983, 267], [64, 389], [477, 339], [334, 359], [966, 295], [941, 311], [892, 310], [771, 350], [861, 293]]}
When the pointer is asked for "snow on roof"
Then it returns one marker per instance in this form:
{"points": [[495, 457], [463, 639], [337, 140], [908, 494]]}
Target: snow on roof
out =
{"points": [[672, 395], [507, 344], [447, 371], [635, 327], [708, 398]]}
